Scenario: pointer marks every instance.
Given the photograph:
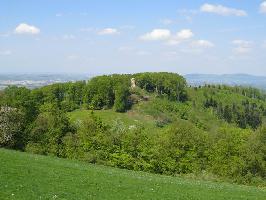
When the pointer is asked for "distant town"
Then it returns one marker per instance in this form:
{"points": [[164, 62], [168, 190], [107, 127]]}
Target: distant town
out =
{"points": [[38, 80]]}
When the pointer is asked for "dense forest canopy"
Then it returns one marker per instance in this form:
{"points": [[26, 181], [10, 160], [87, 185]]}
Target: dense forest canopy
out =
{"points": [[214, 129]]}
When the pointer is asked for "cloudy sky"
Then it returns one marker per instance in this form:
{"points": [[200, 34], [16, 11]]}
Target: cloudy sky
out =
{"points": [[118, 36]]}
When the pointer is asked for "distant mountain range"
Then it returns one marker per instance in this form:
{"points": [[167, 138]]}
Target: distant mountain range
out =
{"points": [[228, 79]]}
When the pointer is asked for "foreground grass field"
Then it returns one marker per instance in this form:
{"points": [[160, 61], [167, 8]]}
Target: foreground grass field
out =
{"points": [[27, 176]]}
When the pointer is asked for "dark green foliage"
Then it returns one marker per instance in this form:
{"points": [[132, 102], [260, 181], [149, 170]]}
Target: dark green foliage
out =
{"points": [[244, 114], [121, 103], [100, 92], [47, 133], [67, 96], [163, 83]]}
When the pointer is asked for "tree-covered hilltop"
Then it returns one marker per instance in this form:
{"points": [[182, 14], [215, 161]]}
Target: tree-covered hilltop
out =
{"points": [[158, 124]]}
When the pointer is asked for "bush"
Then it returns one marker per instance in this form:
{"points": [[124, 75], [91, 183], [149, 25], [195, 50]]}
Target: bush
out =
{"points": [[35, 148], [121, 103], [182, 149], [227, 151], [11, 128]]}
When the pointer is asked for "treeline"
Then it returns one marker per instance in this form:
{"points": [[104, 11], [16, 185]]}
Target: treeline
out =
{"points": [[165, 84], [250, 92], [244, 115], [244, 107], [97, 93]]}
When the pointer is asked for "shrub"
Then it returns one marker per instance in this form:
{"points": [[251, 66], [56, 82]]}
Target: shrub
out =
{"points": [[121, 103], [11, 128]]}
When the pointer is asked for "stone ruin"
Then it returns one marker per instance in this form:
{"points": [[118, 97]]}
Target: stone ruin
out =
{"points": [[133, 83]]}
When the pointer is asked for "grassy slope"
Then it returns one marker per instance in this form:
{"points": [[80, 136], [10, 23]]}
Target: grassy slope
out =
{"points": [[27, 176], [129, 118]]}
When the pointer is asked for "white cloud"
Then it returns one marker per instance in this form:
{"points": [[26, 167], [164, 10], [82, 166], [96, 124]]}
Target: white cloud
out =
{"points": [[128, 27], [58, 14], [180, 36], [157, 34], [143, 53], [170, 55], [189, 50], [173, 42], [202, 44], [241, 50], [242, 42], [84, 14], [5, 53], [69, 37], [108, 31], [165, 34], [73, 57], [184, 34], [87, 29], [264, 44], [242, 46], [263, 7], [166, 21], [187, 14], [26, 29], [125, 48], [222, 10]]}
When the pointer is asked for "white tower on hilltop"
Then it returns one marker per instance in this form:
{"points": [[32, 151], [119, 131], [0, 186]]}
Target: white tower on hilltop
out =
{"points": [[133, 83]]}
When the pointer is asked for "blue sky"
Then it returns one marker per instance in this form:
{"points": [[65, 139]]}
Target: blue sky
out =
{"points": [[118, 36]]}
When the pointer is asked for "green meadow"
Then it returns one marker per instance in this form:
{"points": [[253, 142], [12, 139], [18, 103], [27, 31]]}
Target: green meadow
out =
{"points": [[26, 176]]}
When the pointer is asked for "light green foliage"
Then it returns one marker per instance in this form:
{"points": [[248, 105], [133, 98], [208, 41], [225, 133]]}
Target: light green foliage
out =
{"points": [[22, 99], [227, 152], [181, 150], [130, 119], [11, 128], [255, 154]]}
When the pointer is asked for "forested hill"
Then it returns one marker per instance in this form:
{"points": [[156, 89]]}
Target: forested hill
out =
{"points": [[151, 122]]}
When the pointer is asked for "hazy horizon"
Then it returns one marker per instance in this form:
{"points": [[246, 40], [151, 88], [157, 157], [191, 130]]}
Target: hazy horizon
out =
{"points": [[99, 74]]}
